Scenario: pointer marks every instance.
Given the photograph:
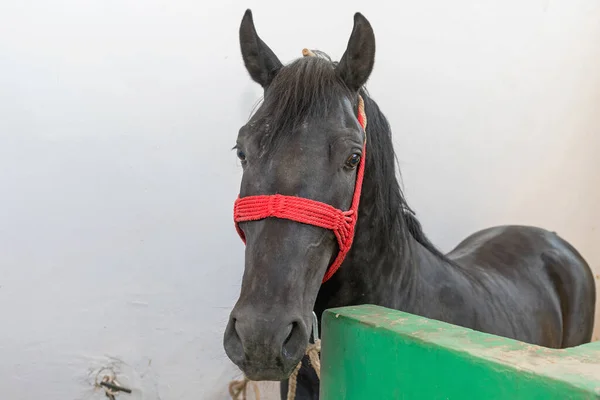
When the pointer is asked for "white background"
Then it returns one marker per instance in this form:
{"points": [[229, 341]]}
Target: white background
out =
{"points": [[117, 245]]}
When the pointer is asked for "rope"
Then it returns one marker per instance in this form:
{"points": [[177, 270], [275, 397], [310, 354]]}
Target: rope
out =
{"points": [[311, 212], [313, 351], [238, 389], [293, 382]]}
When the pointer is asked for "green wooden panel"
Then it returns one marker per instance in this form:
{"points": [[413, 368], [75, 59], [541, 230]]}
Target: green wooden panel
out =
{"points": [[370, 352]]}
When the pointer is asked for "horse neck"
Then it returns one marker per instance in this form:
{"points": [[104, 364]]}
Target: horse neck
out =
{"points": [[386, 265]]}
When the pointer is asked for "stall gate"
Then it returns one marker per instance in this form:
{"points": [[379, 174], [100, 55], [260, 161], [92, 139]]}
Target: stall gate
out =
{"points": [[370, 352]]}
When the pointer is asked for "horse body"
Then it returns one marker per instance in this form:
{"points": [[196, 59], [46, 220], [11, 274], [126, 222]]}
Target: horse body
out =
{"points": [[547, 288], [519, 282]]}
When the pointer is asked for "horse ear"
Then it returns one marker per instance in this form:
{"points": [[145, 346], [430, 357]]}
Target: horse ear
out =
{"points": [[357, 62], [259, 59]]}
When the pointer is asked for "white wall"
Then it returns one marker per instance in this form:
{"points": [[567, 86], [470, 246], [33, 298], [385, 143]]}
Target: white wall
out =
{"points": [[116, 122]]}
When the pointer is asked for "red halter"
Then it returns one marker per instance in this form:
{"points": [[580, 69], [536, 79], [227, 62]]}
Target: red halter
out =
{"points": [[311, 212]]}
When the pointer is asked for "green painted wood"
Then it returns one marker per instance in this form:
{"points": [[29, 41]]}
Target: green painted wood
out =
{"points": [[370, 352]]}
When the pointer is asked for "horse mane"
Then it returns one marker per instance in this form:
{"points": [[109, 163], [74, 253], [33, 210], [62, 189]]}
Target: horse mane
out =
{"points": [[391, 212], [309, 87]]}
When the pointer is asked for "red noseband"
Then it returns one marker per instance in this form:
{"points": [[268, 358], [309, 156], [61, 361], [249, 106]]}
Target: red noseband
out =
{"points": [[310, 212]]}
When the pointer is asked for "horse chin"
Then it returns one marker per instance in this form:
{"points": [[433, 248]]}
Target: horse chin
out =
{"points": [[262, 374]]}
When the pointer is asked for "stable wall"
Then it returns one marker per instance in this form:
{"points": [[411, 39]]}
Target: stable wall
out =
{"points": [[117, 245]]}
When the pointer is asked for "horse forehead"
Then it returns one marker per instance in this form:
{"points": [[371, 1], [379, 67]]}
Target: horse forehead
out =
{"points": [[307, 148], [339, 121], [303, 140], [313, 132], [298, 158]]}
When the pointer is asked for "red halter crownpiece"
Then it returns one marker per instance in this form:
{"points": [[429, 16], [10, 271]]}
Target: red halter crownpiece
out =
{"points": [[307, 211]]}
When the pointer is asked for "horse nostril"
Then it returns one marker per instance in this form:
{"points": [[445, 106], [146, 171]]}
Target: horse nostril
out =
{"points": [[233, 342], [288, 335], [235, 327], [293, 341]]}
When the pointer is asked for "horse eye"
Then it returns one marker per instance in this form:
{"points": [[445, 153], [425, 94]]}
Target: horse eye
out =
{"points": [[353, 160], [241, 155]]}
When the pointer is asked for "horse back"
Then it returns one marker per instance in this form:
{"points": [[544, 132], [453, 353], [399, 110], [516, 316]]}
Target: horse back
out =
{"points": [[543, 275]]}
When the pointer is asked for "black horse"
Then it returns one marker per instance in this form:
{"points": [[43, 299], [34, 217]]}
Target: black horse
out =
{"points": [[519, 282]]}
